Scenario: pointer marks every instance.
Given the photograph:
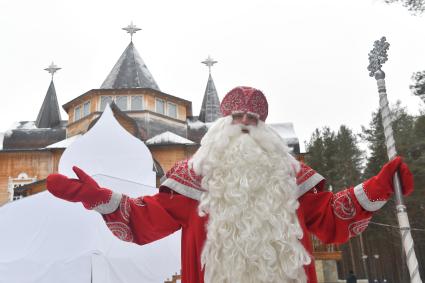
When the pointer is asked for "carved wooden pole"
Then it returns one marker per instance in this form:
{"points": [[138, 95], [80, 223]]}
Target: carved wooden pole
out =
{"points": [[377, 57]]}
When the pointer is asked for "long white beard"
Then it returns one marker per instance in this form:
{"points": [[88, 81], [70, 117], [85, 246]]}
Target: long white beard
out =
{"points": [[253, 231]]}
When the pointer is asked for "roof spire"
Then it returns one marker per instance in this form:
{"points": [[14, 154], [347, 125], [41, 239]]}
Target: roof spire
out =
{"points": [[209, 62], [49, 115], [52, 69], [131, 29], [210, 109]]}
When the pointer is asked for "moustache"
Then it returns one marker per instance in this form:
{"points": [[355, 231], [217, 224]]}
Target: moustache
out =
{"points": [[246, 129]]}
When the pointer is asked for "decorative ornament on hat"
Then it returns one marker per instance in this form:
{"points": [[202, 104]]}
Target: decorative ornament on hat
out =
{"points": [[245, 99]]}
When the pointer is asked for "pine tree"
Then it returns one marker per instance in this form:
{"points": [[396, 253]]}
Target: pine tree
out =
{"points": [[315, 148], [374, 136], [416, 7], [321, 155], [418, 86], [348, 159], [330, 151]]}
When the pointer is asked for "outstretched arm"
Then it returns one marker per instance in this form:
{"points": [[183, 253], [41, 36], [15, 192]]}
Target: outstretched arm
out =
{"points": [[139, 220], [146, 219], [334, 218]]}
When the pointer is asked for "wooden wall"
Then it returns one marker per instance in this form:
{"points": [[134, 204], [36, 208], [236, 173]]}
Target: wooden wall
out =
{"points": [[74, 127], [37, 163], [167, 156]]}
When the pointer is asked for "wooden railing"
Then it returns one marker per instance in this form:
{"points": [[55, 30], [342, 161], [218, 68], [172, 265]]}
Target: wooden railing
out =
{"points": [[325, 252]]}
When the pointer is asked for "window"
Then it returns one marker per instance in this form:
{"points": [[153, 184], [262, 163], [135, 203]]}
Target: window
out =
{"points": [[137, 102], [16, 197], [15, 183], [86, 108], [104, 100], [77, 113], [121, 102], [159, 106], [172, 110]]}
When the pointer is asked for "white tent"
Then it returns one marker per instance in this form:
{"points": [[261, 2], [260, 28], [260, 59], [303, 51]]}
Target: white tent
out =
{"points": [[45, 239]]}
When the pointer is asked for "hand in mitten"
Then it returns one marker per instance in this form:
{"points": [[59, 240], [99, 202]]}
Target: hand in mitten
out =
{"points": [[374, 192], [84, 190]]}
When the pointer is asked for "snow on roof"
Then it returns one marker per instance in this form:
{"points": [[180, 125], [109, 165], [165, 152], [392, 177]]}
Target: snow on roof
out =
{"points": [[22, 125], [27, 125], [14, 126], [168, 138], [64, 143], [286, 131], [195, 125]]}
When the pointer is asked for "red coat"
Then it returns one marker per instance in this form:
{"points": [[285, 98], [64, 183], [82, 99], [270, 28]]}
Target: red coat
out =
{"points": [[333, 218]]}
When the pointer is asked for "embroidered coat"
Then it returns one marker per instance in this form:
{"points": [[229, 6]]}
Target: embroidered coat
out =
{"points": [[333, 218]]}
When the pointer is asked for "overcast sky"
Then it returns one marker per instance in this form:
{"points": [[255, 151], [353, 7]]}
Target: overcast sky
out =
{"points": [[308, 57]]}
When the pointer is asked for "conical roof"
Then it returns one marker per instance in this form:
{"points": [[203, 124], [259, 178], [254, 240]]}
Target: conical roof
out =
{"points": [[130, 71], [49, 115], [210, 110]]}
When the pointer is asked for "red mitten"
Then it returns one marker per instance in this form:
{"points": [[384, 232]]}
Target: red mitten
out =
{"points": [[375, 192], [84, 190]]}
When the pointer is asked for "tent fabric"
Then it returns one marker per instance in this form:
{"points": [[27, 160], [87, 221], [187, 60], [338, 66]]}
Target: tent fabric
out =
{"points": [[47, 240]]}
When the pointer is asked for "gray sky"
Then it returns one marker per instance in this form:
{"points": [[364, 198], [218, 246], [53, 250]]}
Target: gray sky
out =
{"points": [[308, 57]]}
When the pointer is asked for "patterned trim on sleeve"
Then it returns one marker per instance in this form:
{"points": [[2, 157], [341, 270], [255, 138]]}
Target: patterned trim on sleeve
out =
{"points": [[125, 209], [121, 230], [139, 201], [365, 202], [111, 205], [358, 227], [307, 179], [184, 180]]}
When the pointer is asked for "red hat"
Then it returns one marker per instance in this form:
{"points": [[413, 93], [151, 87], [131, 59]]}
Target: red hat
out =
{"points": [[245, 99]]}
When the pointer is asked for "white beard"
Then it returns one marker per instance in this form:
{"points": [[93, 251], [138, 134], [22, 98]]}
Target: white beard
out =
{"points": [[253, 231]]}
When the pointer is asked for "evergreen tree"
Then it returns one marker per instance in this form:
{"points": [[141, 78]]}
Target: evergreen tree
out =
{"points": [[416, 7], [330, 150], [418, 86], [322, 153], [374, 136], [335, 156], [348, 159], [315, 148]]}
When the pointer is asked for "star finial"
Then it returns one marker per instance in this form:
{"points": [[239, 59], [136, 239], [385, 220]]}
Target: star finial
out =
{"points": [[131, 29], [52, 69], [209, 62], [378, 56]]}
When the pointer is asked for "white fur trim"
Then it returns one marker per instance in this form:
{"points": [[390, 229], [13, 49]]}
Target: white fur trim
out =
{"points": [[182, 189], [309, 184], [196, 194], [111, 205], [365, 202]]}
